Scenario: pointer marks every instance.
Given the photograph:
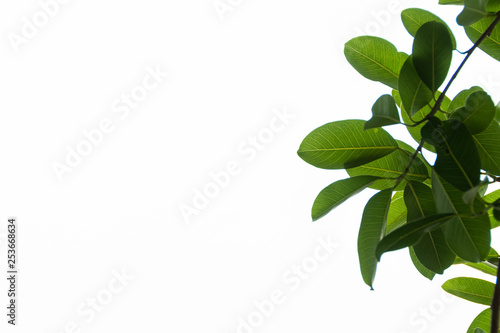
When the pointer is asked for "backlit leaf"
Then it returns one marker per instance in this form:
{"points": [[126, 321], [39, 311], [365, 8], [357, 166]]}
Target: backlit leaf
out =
{"points": [[372, 229], [375, 58], [345, 144]]}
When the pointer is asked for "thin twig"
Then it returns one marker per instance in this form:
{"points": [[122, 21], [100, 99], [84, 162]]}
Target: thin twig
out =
{"points": [[412, 159], [441, 97]]}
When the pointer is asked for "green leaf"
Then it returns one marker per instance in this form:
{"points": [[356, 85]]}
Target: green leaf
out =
{"points": [[344, 144], [471, 289], [474, 10], [412, 90], [375, 58], [469, 237], [415, 131], [397, 213], [384, 112], [411, 233], [478, 112], [432, 250], [457, 156], [335, 194], [482, 323], [471, 194], [461, 98], [371, 231], [414, 18], [484, 267], [490, 198], [418, 265], [491, 44], [488, 146], [432, 52], [451, 2], [392, 166]]}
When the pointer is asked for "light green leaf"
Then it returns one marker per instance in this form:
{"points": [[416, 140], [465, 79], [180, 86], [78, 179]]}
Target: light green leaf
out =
{"points": [[414, 18], [415, 131], [491, 44], [457, 156], [490, 198], [484, 267], [335, 194], [432, 53], [418, 265], [411, 233], [345, 144], [474, 10], [461, 98], [471, 289], [432, 250], [392, 166], [478, 112], [397, 213], [384, 113], [469, 237], [375, 58], [482, 323], [451, 2], [371, 231], [412, 90]]}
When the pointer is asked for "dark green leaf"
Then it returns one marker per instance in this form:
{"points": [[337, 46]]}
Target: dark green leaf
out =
{"points": [[344, 144], [375, 58], [457, 156], [432, 52], [432, 250], [477, 113], [384, 112], [371, 231], [491, 44], [471, 289], [412, 90], [415, 131], [335, 194], [469, 237], [488, 147], [411, 233], [414, 18], [461, 98], [474, 10], [392, 166], [418, 265]]}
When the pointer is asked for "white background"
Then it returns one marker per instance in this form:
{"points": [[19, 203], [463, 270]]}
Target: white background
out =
{"points": [[119, 209]]}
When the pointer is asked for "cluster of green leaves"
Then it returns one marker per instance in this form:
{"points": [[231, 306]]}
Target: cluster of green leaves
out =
{"points": [[440, 211]]}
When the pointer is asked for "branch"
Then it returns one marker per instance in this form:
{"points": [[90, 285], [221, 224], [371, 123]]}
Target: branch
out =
{"points": [[441, 97], [495, 305], [412, 159]]}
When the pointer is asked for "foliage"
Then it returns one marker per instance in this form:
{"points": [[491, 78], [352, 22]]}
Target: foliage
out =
{"points": [[439, 210]]}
